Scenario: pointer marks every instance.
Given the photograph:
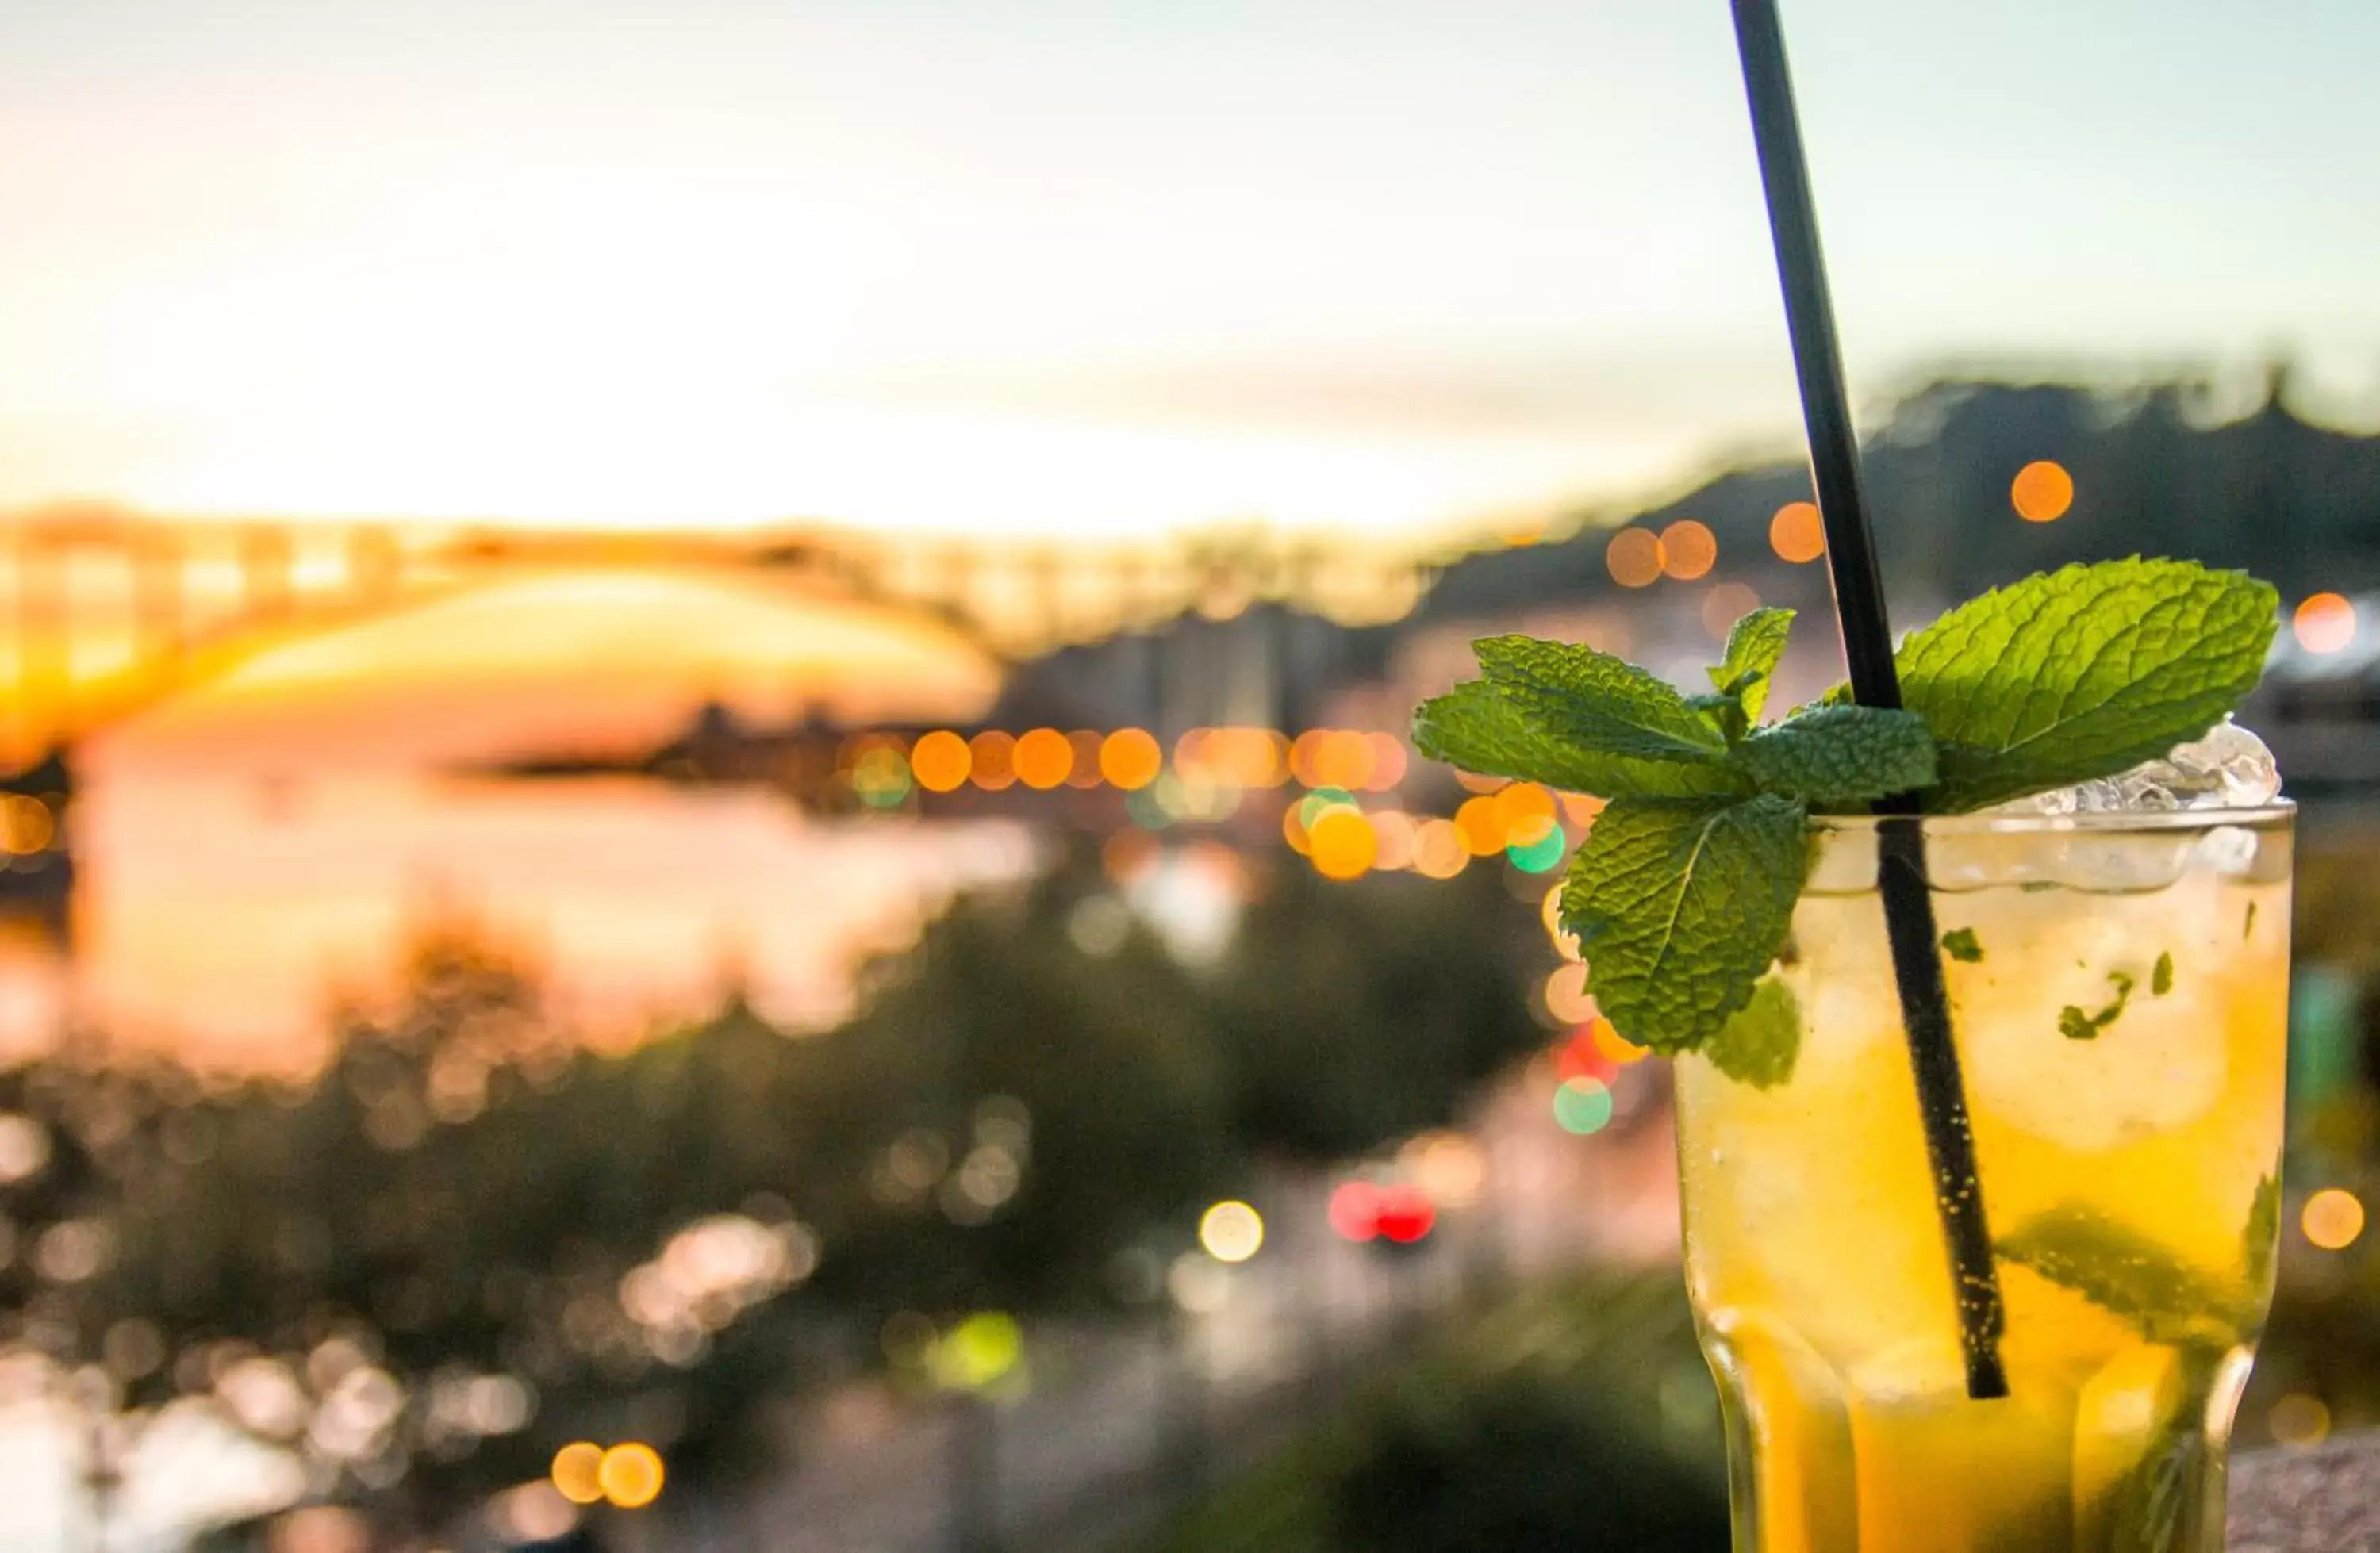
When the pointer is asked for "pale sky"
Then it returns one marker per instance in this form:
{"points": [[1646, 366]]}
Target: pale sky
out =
{"points": [[1105, 265]]}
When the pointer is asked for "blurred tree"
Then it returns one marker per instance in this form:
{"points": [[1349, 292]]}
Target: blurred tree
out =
{"points": [[1577, 1419], [1354, 1014], [471, 1240]]}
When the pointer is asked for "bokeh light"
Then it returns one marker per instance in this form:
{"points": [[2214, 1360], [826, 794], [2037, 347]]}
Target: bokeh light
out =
{"points": [[881, 776], [1342, 844], [1583, 1106], [1525, 811], [1439, 850], [1549, 911], [575, 1472], [532, 1512], [2324, 622], [1726, 604], [1612, 1044], [1582, 807], [1481, 821], [992, 755], [1449, 1167], [2332, 1219], [25, 824], [1294, 831], [1082, 758], [2042, 491], [1389, 760], [631, 1474], [1797, 533], [1392, 836], [1129, 758], [1688, 550], [1044, 759], [1579, 1057], [940, 761], [1566, 996], [1232, 1233], [1340, 758], [1321, 801], [2300, 1420], [1634, 557], [1404, 1214], [978, 1351], [1354, 1210], [1541, 856]]}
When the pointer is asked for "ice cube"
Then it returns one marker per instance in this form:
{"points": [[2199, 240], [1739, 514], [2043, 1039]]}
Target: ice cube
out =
{"points": [[2227, 768]]}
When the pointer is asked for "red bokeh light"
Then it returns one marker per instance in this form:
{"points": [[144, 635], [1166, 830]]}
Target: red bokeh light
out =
{"points": [[1355, 1212], [1580, 1057], [1404, 1214]]}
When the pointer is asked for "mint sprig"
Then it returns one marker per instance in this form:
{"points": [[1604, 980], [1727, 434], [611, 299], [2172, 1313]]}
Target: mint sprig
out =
{"points": [[2129, 1276], [1679, 908], [1684, 891], [2082, 673]]}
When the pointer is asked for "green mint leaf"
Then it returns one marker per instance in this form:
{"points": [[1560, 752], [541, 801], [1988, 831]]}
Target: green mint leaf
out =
{"points": [[1759, 1045], [2077, 1025], [1837, 757], [1753, 646], [1598, 699], [1678, 910], [2081, 672], [1724, 713], [2129, 1275], [2144, 1509], [2247, 923], [1477, 727], [2262, 1236], [1959, 945], [2161, 979]]}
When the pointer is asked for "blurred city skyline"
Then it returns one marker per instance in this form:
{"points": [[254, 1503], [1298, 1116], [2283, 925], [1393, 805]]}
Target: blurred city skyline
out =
{"points": [[1060, 269]]}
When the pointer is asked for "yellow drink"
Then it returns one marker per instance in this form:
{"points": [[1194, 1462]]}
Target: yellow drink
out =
{"points": [[2120, 1028]]}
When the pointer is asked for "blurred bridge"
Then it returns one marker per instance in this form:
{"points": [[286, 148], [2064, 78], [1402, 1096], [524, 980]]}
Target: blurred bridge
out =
{"points": [[111, 610]]}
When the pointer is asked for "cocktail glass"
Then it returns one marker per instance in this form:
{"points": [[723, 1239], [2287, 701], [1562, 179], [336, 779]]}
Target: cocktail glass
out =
{"points": [[2119, 990]]}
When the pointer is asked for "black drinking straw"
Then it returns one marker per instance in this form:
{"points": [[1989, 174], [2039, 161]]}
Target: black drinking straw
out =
{"points": [[1867, 644]]}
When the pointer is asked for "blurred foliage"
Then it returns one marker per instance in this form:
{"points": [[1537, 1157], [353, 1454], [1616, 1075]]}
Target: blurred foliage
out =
{"points": [[670, 1244], [1581, 1417]]}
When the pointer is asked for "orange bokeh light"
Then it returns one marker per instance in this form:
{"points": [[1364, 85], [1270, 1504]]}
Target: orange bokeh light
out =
{"points": [[2042, 491], [1084, 745], [1796, 533], [2332, 1219], [1688, 550], [1292, 829], [1388, 761], [1482, 824], [1524, 814], [993, 754], [1634, 557], [1342, 845], [1043, 759], [1130, 759], [2325, 622], [1612, 1044], [940, 761], [1342, 758]]}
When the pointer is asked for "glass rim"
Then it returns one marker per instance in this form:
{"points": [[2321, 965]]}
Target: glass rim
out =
{"points": [[2105, 822]]}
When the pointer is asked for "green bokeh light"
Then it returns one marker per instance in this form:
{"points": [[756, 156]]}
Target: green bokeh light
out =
{"points": [[1583, 1106]]}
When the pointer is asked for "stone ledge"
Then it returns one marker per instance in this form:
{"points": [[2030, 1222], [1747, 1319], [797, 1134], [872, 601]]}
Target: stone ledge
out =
{"points": [[2325, 1499]]}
